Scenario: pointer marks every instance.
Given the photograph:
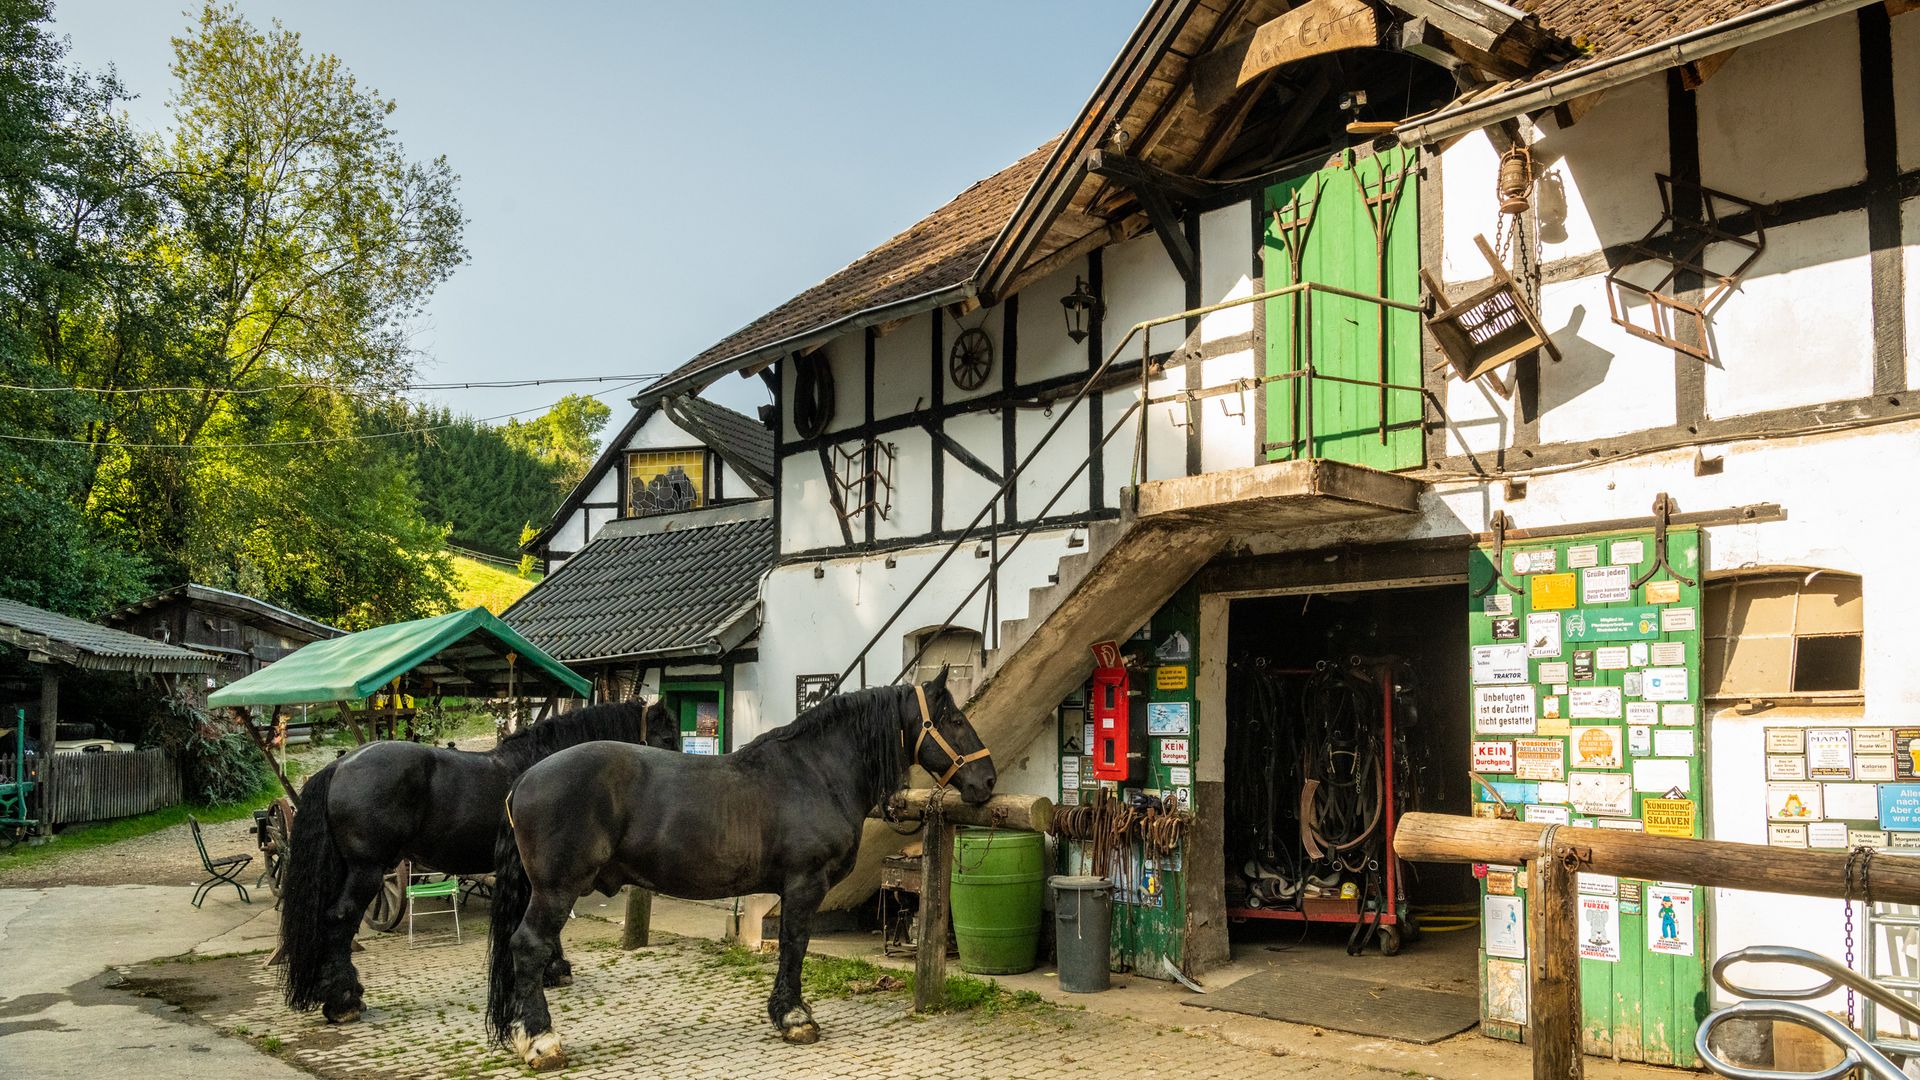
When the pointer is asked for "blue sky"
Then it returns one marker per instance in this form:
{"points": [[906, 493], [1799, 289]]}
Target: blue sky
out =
{"points": [[641, 178]]}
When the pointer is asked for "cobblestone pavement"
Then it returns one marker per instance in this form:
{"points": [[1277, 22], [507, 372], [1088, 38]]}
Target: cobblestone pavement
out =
{"points": [[677, 1010]]}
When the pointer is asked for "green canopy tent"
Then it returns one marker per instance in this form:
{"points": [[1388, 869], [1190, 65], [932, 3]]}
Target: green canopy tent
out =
{"points": [[471, 653]]}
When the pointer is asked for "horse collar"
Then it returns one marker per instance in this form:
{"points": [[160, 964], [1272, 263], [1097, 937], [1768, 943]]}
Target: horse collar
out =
{"points": [[955, 758]]}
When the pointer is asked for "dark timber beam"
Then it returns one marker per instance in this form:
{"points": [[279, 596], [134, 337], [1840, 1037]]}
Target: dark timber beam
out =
{"points": [[963, 455], [1151, 186]]}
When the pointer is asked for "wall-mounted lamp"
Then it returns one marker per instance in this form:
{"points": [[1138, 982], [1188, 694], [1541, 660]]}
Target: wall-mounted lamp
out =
{"points": [[1082, 308]]}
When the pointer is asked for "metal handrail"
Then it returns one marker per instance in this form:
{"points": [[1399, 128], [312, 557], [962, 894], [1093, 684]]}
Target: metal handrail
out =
{"points": [[1785, 1005], [1143, 329]]}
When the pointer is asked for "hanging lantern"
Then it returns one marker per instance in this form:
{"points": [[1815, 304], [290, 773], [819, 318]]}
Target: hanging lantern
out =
{"points": [[1515, 186], [1082, 307]]}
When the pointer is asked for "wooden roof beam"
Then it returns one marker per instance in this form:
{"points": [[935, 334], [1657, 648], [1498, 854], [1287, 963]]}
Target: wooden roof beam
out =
{"points": [[1151, 185]]}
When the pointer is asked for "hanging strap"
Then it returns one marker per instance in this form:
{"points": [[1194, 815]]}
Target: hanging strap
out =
{"points": [[955, 758]]}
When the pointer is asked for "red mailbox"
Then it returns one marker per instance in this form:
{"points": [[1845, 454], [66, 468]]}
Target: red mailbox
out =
{"points": [[1109, 712]]}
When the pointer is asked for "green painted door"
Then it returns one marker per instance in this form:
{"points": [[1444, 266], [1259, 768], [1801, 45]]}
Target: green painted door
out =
{"points": [[1586, 706], [1354, 226], [701, 708]]}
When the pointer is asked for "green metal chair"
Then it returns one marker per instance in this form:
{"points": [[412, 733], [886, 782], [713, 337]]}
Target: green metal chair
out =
{"points": [[447, 888], [222, 871]]}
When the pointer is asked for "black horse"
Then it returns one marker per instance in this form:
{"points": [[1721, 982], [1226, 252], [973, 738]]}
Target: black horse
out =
{"points": [[782, 814], [388, 801]]}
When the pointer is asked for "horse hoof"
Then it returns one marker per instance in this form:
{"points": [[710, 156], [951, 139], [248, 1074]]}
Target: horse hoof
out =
{"points": [[559, 980], [541, 1052], [342, 1016], [802, 1034]]}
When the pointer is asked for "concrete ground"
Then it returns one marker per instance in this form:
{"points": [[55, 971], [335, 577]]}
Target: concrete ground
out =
{"points": [[59, 1016], [79, 999]]}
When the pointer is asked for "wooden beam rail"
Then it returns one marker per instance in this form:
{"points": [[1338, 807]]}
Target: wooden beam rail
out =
{"points": [[1554, 854], [939, 809]]}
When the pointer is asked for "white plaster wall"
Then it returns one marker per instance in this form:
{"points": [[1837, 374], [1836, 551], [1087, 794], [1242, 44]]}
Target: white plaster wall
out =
{"points": [[1607, 381], [967, 491], [912, 511], [1226, 268], [990, 321], [848, 356], [1118, 464], [1045, 349], [597, 519], [1229, 437], [743, 707], [903, 368], [1612, 153], [807, 520], [661, 433], [1906, 90], [1478, 421], [607, 490], [1798, 93], [1140, 283], [1910, 255], [1798, 330], [1468, 171], [1044, 478], [815, 625]]}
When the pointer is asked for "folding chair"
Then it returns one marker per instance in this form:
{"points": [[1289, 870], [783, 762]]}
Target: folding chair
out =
{"points": [[224, 871], [447, 888]]}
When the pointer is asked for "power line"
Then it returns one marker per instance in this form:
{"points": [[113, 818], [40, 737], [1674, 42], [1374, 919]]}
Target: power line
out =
{"points": [[95, 443], [345, 387]]}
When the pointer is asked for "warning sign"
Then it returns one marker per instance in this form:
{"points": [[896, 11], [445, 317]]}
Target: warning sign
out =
{"points": [[1493, 758], [1170, 677], [1503, 709], [1668, 817], [1539, 759]]}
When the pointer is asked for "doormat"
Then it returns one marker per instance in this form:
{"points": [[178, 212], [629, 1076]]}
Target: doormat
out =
{"points": [[1359, 1006]]}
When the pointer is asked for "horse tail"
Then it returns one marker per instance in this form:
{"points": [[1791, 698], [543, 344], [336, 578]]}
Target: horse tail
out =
{"points": [[511, 894], [315, 875]]}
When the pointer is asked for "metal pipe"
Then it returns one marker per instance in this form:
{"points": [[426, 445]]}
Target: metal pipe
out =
{"points": [[1860, 1054], [1719, 37], [1838, 975]]}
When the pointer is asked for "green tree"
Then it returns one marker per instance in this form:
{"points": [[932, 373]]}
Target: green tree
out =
{"points": [[567, 435]]}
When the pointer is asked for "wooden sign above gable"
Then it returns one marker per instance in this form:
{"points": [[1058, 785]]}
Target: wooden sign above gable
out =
{"points": [[1314, 28]]}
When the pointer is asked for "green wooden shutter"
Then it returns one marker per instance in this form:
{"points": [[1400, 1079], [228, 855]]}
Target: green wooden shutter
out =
{"points": [[1647, 1004], [1323, 225]]}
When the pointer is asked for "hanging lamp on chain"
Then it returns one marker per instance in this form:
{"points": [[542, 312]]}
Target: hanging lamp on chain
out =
{"points": [[1515, 186]]}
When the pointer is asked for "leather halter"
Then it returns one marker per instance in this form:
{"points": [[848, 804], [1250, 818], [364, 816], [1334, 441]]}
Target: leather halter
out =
{"points": [[954, 757]]}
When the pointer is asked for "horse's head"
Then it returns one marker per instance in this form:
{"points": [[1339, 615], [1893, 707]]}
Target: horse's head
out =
{"points": [[662, 730], [948, 747]]}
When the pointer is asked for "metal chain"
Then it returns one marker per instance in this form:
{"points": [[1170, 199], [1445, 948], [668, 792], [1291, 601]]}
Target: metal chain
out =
{"points": [[1858, 885]]}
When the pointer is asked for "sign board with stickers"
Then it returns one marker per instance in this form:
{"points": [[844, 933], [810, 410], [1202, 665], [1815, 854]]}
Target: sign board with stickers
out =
{"points": [[1606, 704]]}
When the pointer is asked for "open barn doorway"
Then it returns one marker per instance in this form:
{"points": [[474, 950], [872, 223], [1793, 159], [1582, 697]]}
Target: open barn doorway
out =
{"points": [[1344, 710]]}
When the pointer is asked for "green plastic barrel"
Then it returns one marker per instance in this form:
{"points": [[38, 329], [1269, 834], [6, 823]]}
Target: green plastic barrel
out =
{"points": [[998, 879]]}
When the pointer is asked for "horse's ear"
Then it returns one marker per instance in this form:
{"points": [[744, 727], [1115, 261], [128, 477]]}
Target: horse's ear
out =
{"points": [[940, 680]]}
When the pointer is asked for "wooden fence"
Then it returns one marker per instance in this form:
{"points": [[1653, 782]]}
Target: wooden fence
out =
{"points": [[103, 786]]}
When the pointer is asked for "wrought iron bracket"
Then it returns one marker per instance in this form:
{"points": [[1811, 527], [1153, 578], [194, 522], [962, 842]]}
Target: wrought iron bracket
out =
{"points": [[1662, 517], [1498, 525]]}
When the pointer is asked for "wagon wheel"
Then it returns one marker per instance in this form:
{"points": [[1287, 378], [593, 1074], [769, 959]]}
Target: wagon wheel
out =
{"points": [[389, 907], [279, 843], [971, 360]]}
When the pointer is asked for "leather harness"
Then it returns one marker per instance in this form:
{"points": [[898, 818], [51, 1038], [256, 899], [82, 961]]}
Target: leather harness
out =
{"points": [[954, 757]]}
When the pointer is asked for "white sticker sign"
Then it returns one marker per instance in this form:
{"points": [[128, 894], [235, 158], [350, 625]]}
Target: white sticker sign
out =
{"points": [[1606, 584], [1601, 794], [1505, 926], [1175, 752], [1595, 747], [1674, 620], [1787, 767], [1493, 758], [1666, 684], [1643, 712], [1593, 702], [1543, 634], [1499, 664], [1555, 673], [1627, 553], [1599, 928], [1830, 753], [1657, 776], [1669, 920], [1535, 562], [1508, 709], [1794, 802]]}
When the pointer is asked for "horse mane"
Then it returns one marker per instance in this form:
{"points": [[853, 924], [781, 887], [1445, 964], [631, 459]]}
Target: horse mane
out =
{"points": [[618, 721], [874, 717]]}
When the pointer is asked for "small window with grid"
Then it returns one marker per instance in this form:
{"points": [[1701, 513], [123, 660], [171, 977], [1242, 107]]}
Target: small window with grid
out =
{"points": [[665, 481], [1798, 633]]}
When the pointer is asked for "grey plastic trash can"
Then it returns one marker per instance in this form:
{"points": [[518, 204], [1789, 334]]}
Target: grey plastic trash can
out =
{"points": [[1082, 931]]}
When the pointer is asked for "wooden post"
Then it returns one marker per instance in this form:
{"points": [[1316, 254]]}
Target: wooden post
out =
{"points": [[1026, 813], [1553, 968], [49, 734], [245, 716], [930, 961], [1424, 837], [639, 925]]}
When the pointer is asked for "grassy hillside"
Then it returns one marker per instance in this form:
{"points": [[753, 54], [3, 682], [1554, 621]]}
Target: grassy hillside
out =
{"points": [[488, 586]]}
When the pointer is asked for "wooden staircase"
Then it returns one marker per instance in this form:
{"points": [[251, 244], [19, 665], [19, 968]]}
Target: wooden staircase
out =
{"points": [[1129, 568]]}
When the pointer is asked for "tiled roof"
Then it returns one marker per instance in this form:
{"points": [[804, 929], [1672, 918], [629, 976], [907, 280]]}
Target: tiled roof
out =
{"points": [[732, 435], [89, 645], [941, 250], [652, 587]]}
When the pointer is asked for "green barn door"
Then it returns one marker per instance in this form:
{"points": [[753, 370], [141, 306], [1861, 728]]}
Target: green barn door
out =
{"points": [[701, 707], [1354, 226], [1586, 704]]}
